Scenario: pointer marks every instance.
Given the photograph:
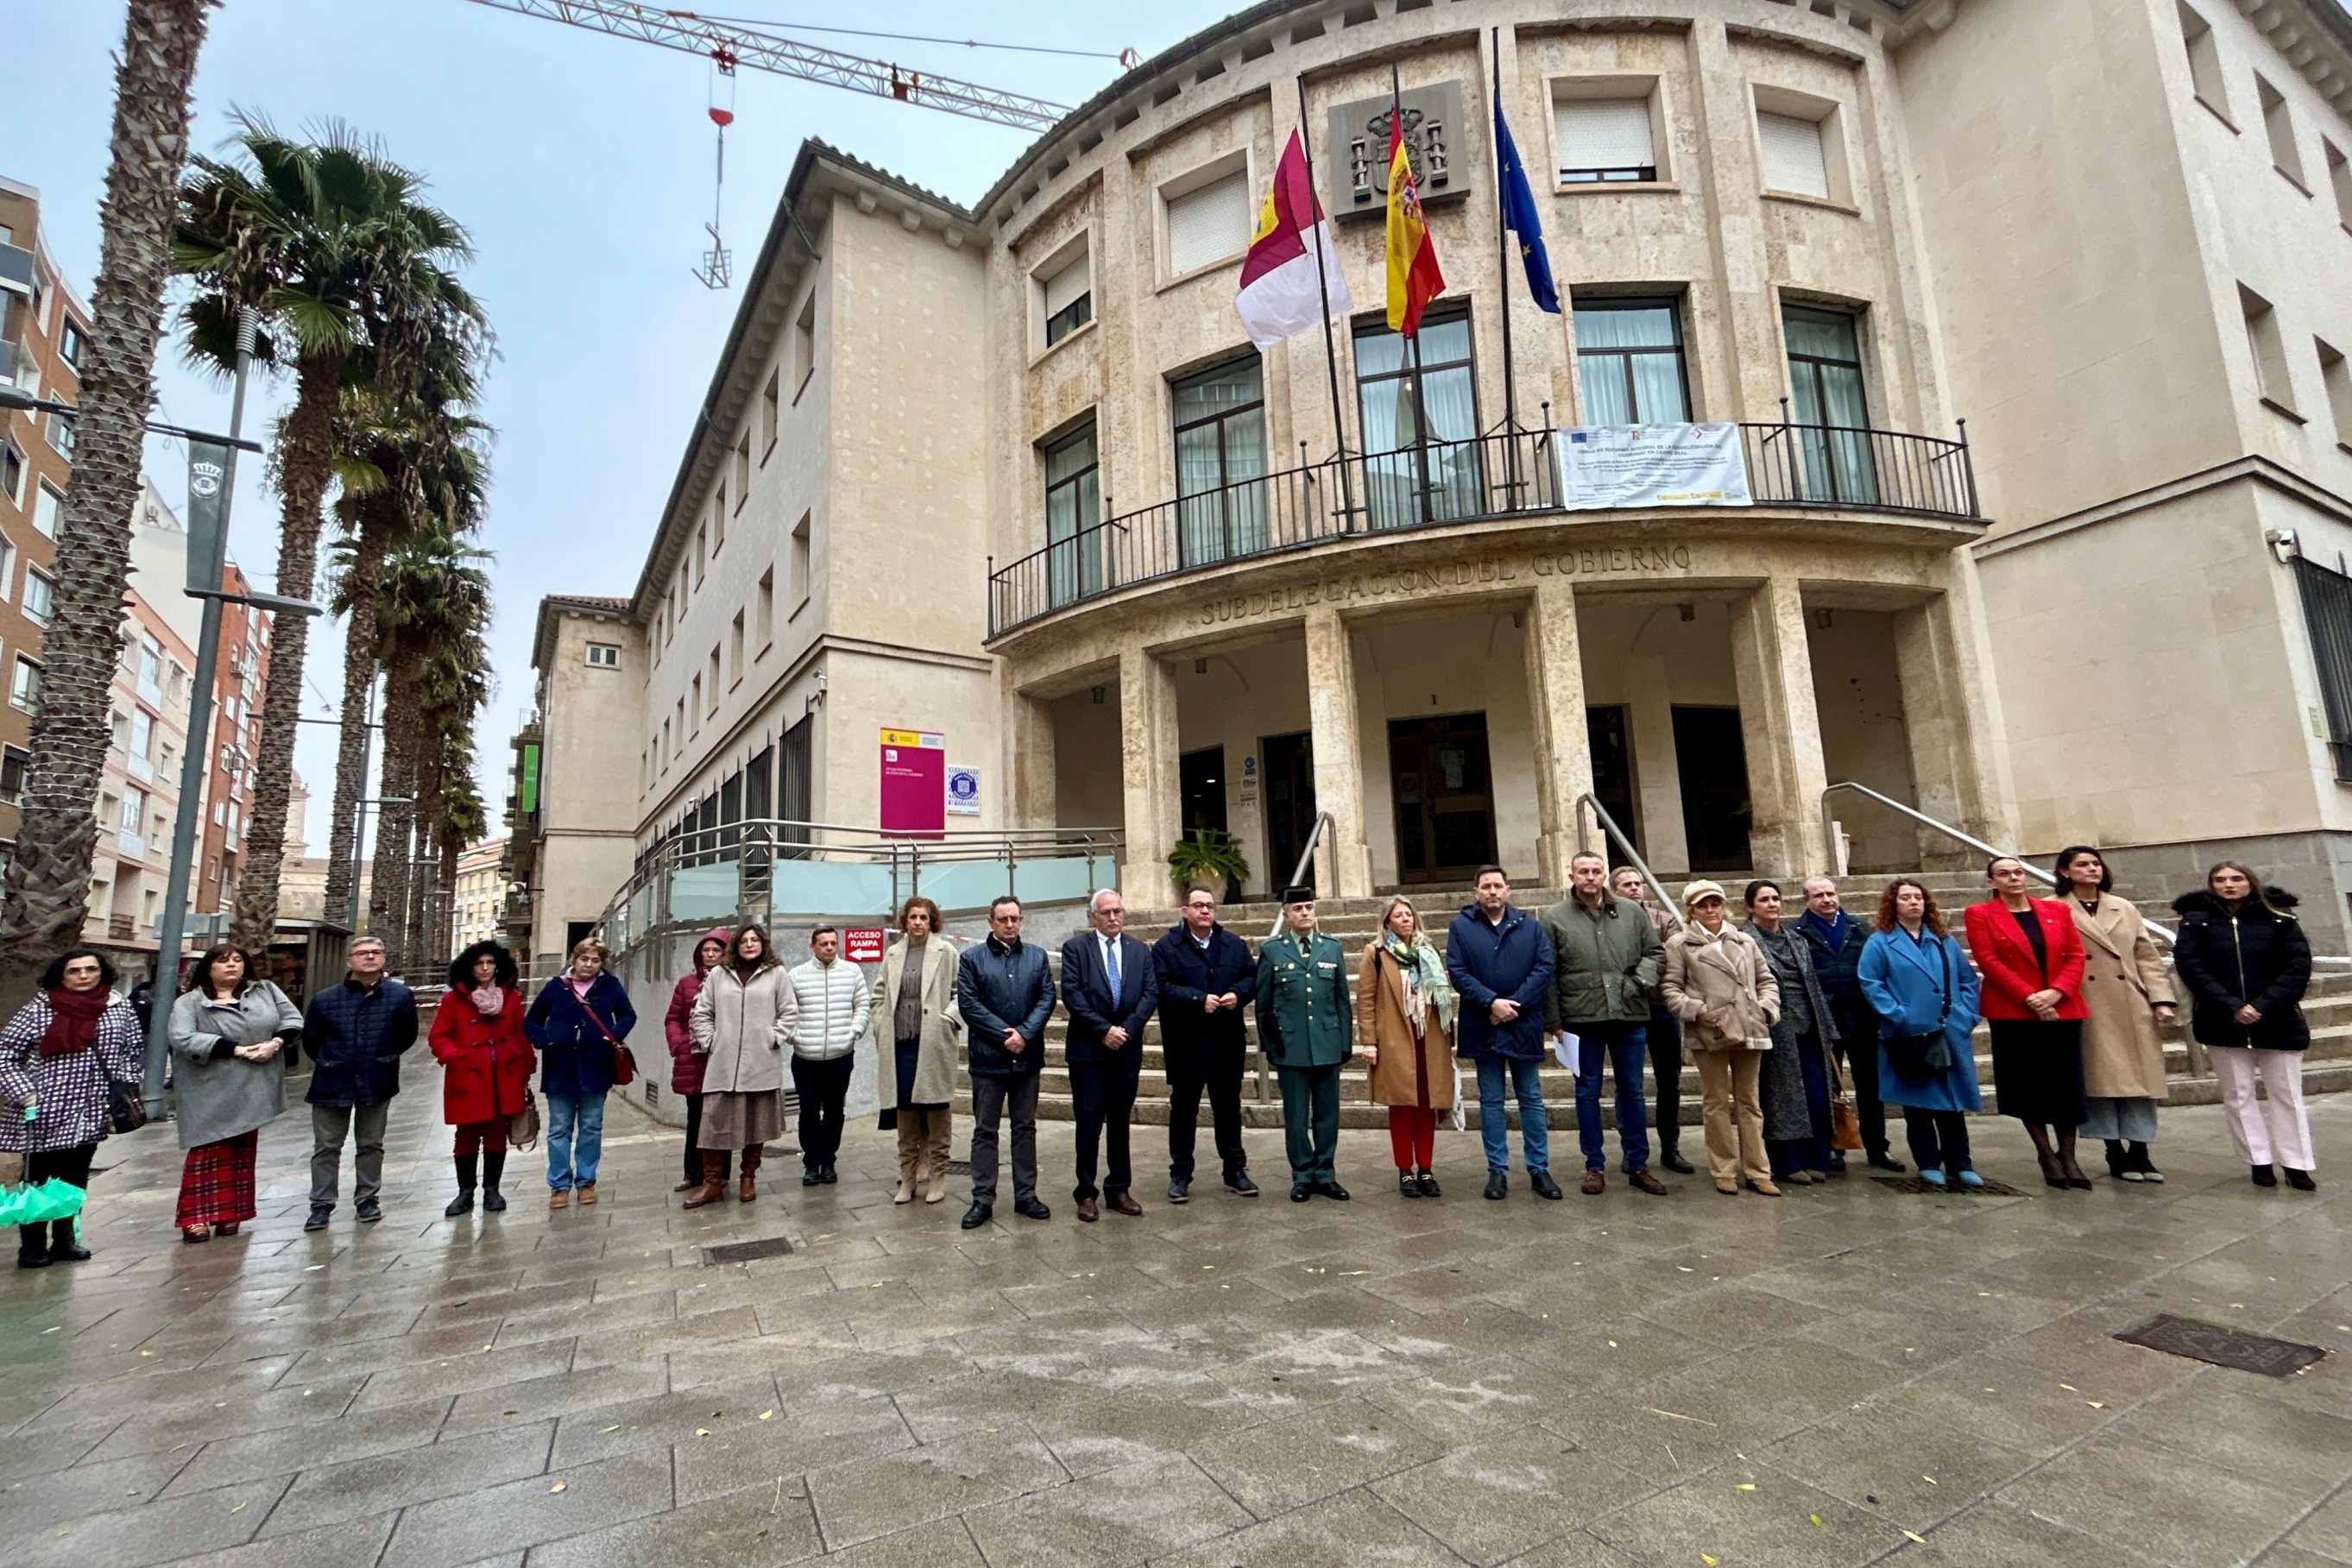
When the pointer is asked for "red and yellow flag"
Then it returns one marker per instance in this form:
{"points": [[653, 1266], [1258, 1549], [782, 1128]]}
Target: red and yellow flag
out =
{"points": [[1414, 277]]}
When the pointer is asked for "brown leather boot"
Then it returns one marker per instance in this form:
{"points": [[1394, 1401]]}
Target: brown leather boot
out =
{"points": [[910, 1156], [749, 1188], [714, 1179], [937, 1145]]}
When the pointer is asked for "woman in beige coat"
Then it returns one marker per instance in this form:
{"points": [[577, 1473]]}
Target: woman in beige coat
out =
{"points": [[921, 1018], [1718, 984], [2129, 993], [1404, 1026], [738, 1030]]}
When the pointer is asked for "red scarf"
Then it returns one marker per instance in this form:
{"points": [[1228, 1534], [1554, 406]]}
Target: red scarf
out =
{"points": [[73, 1020]]}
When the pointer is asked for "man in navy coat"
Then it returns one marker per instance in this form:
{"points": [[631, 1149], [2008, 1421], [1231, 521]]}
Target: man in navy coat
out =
{"points": [[1499, 960], [1109, 987]]}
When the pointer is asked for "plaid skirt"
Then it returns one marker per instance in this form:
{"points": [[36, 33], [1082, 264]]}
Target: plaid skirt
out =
{"points": [[216, 1183]]}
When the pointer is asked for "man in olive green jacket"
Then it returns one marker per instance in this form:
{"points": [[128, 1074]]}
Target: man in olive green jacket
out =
{"points": [[1606, 957], [1305, 1027]]}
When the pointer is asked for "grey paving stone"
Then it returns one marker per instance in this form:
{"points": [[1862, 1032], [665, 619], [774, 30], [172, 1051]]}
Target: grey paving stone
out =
{"points": [[559, 1394], [1284, 1465], [2294, 1557], [1994, 1535], [1496, 1500], [64, 1492], [479, 1371], [1123, 1515], [873, 1497], [1917, 1476], [2222, 1417], [355, 1540], [353, 1490], [944, 1544], [718, 1408], [796, 1440], [1772, 1524], [462, 1529], [1350, 1530], [226, 1461], [752, 1525], [2161, 1507], [157, 1533]]}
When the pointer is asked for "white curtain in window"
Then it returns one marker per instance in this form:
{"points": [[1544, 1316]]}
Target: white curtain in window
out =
{"points": [[1603, 133], [1794, 156], [1209, 224], [1065, 285], [1219, 512]]}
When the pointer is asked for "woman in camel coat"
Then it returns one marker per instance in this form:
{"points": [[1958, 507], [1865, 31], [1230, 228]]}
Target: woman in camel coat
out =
{"points": [[2129, 993], [1405, 1025], [1718, 983], [920, 1019]]}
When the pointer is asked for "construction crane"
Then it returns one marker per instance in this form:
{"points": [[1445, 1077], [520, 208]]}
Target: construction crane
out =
{"points": [[732, 45]]}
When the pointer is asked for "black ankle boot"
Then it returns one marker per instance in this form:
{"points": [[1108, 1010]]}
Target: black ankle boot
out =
{"points": [[2266, 1176], [494, 1166], [2119, 1160], [2142, 1164], [464, 1202], [1406, 1186], [32, 1247], [63, 1247]]}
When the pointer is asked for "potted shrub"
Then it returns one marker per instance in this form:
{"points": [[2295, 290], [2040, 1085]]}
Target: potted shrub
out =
{"points": [[1209, 858]]}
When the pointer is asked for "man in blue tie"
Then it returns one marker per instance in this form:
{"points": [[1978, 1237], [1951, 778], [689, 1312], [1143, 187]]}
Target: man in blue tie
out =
{"points": [[1110, 989]]}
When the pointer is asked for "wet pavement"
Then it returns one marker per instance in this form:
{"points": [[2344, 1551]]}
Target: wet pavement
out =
{"points": [[1844, 1375]]}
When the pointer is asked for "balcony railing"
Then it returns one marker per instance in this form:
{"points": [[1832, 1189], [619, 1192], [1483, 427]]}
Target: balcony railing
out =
{"points": [[1484, 479]]}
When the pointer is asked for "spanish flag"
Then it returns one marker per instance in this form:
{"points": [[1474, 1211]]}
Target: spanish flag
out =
{"points": [[1414, 277]]}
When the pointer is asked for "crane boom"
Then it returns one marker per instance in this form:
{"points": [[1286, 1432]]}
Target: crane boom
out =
{"points": [[689, 34]]}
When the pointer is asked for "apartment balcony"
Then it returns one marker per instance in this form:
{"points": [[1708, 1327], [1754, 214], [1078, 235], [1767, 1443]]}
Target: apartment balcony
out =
{"points": [[1493, 478]]}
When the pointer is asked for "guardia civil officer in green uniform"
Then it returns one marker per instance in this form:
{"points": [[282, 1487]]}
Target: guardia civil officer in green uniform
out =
{"points": [[1307, 1029]]}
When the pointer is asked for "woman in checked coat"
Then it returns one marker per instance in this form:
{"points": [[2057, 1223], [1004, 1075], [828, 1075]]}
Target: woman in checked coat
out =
{"points": [[61, 1055]]}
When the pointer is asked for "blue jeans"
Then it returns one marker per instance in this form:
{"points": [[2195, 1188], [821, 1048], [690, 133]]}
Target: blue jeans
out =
{"points": [[1624, 1044], [576, 1138], [1525, 1079]]}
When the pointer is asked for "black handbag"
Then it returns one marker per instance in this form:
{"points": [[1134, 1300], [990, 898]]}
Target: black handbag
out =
{"points": [[126, 1111], [1917, 1055]]}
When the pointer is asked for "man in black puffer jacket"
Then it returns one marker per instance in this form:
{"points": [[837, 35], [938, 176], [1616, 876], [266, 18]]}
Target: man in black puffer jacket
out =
{"points": [[355, 1033]]}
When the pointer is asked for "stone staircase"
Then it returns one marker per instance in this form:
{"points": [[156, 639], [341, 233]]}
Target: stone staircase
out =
{"points": [[2327, 1006]]}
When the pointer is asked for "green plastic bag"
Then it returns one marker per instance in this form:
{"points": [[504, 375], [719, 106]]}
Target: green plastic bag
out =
{"points": [[37, 1202]]}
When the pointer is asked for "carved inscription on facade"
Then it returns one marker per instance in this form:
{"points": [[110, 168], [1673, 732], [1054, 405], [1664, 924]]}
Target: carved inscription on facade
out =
{"points": [[1447, 578]]}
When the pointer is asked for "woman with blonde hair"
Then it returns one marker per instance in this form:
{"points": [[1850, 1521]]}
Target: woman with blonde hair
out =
{"points": [[1405, 1009], [1718, 984], [925, 1025], [578, 1023]]}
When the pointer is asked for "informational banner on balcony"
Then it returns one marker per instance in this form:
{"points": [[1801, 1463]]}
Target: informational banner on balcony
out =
{"points": [[1652, 466], [914, 791]]}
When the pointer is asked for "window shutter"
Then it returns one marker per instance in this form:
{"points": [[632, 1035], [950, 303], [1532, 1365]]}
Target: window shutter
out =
{"points": [[1793, 160], [1208, 224], [1603, 133], [1065, 285]]}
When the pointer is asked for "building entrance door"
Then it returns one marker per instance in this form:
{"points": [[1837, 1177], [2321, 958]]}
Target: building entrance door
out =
{"points": [[1202, 788], [1610, 741], [1711, 758], [1444, 795], [1289, 803]]}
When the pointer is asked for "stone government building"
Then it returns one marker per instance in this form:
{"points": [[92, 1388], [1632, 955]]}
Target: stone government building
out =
{"points": [[1011, 474]]}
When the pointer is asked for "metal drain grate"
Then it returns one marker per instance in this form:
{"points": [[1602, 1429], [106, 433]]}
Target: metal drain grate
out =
{"points": [[1991, 1188], [958, 1167], [745, 1251], [2222, 1346]]}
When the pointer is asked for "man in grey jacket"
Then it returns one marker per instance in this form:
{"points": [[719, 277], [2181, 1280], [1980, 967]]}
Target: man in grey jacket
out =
{"points": [[827, 1003], [1606, 957]]}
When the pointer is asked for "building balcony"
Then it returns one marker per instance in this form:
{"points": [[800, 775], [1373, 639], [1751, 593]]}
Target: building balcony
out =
{"points": [[1497, 477]]}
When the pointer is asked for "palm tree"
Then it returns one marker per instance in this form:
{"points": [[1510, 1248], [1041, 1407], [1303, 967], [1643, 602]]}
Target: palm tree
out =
{"points": [[464, 819], [48, 881], [329, 243]]}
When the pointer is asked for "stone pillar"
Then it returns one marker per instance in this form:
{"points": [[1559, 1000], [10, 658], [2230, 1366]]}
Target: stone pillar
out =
{"points": [[1781, 729], [1955, 756], [1657, 773], [1343, 863], [1030, 788], [1146, 744], [1563, 745]]}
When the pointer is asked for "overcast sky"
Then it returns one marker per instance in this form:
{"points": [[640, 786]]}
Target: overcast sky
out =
{"points": [[582, 163]]}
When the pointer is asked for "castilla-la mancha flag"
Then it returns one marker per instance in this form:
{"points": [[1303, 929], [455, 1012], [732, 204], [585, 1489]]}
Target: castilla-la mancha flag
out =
{"points": [[1414, 277], [1281, 296]]}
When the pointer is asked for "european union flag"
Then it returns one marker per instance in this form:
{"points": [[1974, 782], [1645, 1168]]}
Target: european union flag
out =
{"points": [[1519, 217]]}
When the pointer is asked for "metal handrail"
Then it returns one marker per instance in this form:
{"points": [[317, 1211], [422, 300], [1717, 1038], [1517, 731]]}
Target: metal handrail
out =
{"points": [[1633, 856], [1299, 872]]}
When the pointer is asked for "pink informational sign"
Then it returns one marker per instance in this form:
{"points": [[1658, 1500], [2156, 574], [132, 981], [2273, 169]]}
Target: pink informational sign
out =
{"points": [[914, 783], [862, 944]]}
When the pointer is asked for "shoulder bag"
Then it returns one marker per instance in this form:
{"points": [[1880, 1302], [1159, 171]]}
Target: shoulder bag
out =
{"points": [[1917, 1055], [522, 1127], [126, 1111], [624, 1066]]}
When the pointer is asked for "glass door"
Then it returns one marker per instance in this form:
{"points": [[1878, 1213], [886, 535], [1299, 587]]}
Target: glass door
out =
{"points": [[1825, 373]]}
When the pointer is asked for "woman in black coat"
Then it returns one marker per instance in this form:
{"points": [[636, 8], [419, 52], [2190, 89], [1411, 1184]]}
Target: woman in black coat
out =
{"points": [[2246, 961]]}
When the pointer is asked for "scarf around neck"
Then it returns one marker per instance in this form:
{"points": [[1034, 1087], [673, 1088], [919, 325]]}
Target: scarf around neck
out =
{"points": [[1425, 985], [73, 1020], [488, 1000]]}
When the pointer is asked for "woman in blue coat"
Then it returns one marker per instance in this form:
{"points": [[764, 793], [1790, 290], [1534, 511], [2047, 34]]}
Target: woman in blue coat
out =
{"points": [[578, 1023], [1920, 982]]}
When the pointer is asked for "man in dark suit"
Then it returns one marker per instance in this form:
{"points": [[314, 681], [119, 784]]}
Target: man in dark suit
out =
{"points": [[1108, 985], [1206, 977]]}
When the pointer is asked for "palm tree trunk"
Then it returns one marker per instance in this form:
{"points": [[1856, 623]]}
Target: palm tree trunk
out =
{"points": [[47, 885], [306, 453], [388, 883], [359, 665]]}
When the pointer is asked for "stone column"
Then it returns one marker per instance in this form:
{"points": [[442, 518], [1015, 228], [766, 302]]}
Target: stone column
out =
{"points": [[1781, 729], [1030, 782], [1343, 863], [1147, 744], [1955, 761], [1563, 745]]}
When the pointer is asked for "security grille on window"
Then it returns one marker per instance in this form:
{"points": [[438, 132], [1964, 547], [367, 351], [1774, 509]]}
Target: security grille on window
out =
{"points": [[1069, 301], [604, 655], [1208, 224], [2327, 615], [1794, 159], [1604, 140]]}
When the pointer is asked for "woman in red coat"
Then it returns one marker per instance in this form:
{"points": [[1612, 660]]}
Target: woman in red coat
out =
{"points": [[686, 1067], [477, 1039], [2032, 959]]}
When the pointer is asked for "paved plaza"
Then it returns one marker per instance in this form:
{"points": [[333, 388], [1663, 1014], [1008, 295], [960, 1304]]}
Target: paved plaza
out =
{"points": [[1848, 1375]]}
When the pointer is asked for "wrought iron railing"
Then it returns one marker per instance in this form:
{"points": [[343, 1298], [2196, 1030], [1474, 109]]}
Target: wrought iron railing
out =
{"points": [[1481, 479]]}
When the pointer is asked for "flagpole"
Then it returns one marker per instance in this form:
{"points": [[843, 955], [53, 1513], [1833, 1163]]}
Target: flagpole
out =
{"points": [[1503, 267], [1323, 286]]}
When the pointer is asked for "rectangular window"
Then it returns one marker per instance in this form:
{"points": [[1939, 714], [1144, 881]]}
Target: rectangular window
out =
{"points": [[804, 534], [804, 345], [795, 788], [698, 703], [1603, 139], [735, 646], [12, 473], [604, 655], [719, 519], [1629, 362], [701, 552], [61, 434], [70, 343], [1070, 300], [2204, 62], [134, 808], [2269, 349], [14, 765], [713, 687], [1419, 407], [1209, 223], [2338, 379], [7, 569], [48, 506], [40, 596], [1074, 565], [25, 685], [768, 413], [766, 625], [742, 470], [2280, 127], [1832, 406], [2327, 618], [142, 733], [150, 668], [1795, 159], [1221, 504]]}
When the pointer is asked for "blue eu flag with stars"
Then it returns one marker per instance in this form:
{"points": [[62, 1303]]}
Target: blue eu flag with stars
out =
{"points": [[1519, 217]]}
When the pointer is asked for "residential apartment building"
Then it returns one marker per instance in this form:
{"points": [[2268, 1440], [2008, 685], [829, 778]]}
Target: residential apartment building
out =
{"points": [[44, 328], [1012, 475], [478, 904], [139, 791]]}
